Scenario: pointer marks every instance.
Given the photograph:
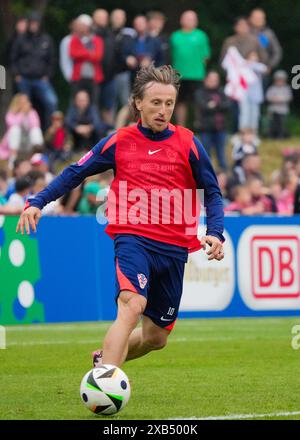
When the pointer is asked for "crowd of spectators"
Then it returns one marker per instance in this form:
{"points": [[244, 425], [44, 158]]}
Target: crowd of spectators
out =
{"points": [[99, 59]]}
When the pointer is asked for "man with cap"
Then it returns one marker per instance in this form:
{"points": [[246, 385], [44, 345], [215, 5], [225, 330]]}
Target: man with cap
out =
{"points": [[40, 162], [32, 64]]}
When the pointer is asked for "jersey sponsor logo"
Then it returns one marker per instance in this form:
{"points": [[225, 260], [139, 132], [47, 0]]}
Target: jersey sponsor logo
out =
{"points": [[154, 152], [172, 155], [85, 158], [142, 279]]}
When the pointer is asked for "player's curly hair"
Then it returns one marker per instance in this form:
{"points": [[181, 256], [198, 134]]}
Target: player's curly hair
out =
{"points": [[163, 75]]}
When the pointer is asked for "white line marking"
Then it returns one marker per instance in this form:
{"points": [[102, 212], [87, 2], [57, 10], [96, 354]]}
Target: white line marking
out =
{"points": [[171, 340], [227, 338], [80, 326], [243, 416], [55, 327], [71, 342]]}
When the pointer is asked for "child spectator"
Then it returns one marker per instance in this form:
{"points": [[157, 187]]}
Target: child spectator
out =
{"points": [[23, 128], [279, 96], [58, 140], [21, 167], [40, 162], [222, 181], [286, 200], [242, 203], [250, 167], [289, 166], [259, 196], [254, 95], [83, 122], [213, 106], [39, 183], [245, 143], [16, 201]]}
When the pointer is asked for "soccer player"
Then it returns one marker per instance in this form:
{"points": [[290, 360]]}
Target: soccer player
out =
{"points": [[150, 254]]}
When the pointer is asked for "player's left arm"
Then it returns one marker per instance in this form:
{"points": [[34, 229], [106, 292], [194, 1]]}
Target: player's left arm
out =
{"points": [[206, 179], [99, 159]]}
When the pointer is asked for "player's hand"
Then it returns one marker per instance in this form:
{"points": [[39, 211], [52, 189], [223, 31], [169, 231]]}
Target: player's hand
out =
{"points": [[29, 219], [216, 247]]}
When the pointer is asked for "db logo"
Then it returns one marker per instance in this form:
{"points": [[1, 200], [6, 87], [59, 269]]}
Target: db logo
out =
{"points": [[275, 266], [269, 267]]}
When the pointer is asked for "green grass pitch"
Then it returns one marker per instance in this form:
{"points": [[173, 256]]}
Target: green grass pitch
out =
{"points": [[234, 368]]}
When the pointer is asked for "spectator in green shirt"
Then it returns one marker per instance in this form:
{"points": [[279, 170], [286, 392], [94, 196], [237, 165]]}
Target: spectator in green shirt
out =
{"points": [[88, 203], [190, 51], [95, 193]]}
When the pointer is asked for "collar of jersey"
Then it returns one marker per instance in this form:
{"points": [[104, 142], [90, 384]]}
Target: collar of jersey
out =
{"points": [[149, 134]]}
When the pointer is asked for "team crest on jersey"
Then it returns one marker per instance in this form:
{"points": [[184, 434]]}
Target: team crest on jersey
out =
{"points": [[142, 280], [172, 155]]}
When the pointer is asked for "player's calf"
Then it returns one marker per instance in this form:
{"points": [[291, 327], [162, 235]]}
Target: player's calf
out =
{"points": [[156, 342], [154, 337]]}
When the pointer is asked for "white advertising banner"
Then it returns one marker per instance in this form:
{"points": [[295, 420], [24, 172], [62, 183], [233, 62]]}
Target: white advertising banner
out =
{"points": [[209, 285]]}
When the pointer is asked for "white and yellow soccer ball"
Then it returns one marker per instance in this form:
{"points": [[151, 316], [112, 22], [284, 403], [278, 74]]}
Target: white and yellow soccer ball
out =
{"points": [[105, 390]]}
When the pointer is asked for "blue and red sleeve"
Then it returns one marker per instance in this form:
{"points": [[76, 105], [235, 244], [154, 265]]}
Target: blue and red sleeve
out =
{"points": [[206, 179], [99, 159]]}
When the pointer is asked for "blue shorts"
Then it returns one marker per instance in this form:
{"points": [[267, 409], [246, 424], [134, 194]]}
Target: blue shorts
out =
{"points": [[156, 276]]}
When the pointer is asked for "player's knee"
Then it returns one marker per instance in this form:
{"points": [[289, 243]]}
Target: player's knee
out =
{"points": [[156, 341], [132, 304], [137, 305]]}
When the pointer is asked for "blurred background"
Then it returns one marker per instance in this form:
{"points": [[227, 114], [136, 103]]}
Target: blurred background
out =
{"points": [[69, 70], [69, 102]]}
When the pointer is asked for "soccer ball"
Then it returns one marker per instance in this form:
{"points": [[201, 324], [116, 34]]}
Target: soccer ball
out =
{"points": [[105, 389]]}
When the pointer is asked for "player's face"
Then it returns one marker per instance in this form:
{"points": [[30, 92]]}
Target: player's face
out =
{"points": [[157, 106]]}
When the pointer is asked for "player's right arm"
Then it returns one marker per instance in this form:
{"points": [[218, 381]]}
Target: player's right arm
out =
{"points": [[101, 158]]}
